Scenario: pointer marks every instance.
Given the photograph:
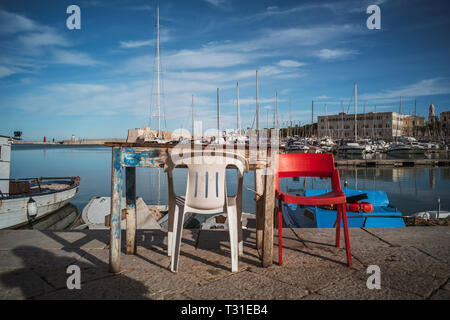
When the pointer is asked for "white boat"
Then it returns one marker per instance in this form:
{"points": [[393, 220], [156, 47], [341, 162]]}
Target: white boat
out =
{"points": [[433, 214], [43, 196], [351, 148], [95, 214], [23, 201], [401, 148]]}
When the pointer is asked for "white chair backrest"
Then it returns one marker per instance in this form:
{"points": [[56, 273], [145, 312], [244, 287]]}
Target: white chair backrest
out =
{"points": [[206, 184]]}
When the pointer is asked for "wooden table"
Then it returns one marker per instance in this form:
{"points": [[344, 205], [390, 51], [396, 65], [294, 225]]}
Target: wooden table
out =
{"points": [[128, 156]]}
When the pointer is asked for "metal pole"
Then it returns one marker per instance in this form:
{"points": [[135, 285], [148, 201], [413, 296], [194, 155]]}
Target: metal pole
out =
{"points": [[218, 116], [192, 117], [356, 110], [257, 107], [158, 98], [238, 111]]}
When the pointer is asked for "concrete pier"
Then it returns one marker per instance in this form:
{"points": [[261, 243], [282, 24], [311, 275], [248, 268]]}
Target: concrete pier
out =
{"points": [[414, 264]]}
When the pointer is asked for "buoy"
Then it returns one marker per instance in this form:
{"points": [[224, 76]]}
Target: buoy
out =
{"points": [[360, 206], [32, 208]]}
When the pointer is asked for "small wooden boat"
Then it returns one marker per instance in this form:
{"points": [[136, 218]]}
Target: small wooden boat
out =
{"points": [[33, 198]]}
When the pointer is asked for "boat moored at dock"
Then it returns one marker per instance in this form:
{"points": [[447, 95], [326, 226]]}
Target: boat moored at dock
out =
{"points": [[382, 214]]}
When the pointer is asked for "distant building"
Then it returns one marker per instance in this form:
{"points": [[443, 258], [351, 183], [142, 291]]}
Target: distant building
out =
{"points": [[445, 123], [380, 125], [432, 119]]}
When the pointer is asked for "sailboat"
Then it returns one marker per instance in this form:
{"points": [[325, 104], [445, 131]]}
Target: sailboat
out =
{"points": [[353, 147]]}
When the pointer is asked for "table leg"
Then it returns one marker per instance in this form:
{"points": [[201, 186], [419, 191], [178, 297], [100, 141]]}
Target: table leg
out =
{"points": [[269, 209], [116, 214], [130, 187], [259, 201]]}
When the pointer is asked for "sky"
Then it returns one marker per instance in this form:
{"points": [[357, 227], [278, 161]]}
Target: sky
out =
{"points": [[100, 80]]}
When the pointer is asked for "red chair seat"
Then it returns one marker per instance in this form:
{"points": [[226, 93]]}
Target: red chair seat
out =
{"points": [[333, 197]]}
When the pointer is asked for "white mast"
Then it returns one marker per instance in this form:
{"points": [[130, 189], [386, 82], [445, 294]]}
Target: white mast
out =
{"points": [[238, 111], [158, 98], [275, 111], [290, 116], [218, 117], [192, 117], [356, 108], [257, 105]]}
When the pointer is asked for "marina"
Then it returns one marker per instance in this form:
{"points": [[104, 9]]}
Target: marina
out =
{"points": [[249, 156]]}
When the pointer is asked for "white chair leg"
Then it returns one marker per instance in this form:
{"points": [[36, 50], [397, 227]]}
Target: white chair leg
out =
{"points": [[233, 229], [170, 232], [240, 236], [178, 229]]}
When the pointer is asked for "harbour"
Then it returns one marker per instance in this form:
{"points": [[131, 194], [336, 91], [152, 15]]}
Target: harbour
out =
{"points": [[247, 156]]}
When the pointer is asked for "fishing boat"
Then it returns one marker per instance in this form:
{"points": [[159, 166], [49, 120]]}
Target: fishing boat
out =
{"points": [[23, 201], [382, 213], [33, 198]]}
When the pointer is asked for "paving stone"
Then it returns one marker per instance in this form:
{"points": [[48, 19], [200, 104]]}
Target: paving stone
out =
{"points": [[33, 264], [21, 284], [327, 236], [441, 295], [111, 288], [413, 236], [245, 285], [353, 288], [420, 284], [406, 258]]}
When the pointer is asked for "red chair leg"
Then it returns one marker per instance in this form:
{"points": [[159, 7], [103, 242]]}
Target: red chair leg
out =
{"points": [[338, 225], [347, 240], [280, 227]]}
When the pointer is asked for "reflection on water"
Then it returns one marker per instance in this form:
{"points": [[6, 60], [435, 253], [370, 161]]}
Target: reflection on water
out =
{"points": [[65, 218], [384, 156], [409, 189]]}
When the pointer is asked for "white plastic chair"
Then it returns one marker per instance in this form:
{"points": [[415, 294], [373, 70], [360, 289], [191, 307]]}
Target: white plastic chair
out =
{"points": [[205, 194]]}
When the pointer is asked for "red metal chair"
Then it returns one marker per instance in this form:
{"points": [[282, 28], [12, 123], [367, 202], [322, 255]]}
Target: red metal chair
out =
{"points": [[312, 165]]}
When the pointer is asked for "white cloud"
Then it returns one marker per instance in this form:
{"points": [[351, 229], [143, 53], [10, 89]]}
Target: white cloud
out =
{"points": [[216, 3], [290, 63], [5, 71], [11, 23], [331, 54], [73, 58], [136, 43], [46, 37], [424, 87]]}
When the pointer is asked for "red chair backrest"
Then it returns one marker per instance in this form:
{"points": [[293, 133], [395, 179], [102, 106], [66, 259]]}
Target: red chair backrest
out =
{"points": [[305, 165]]}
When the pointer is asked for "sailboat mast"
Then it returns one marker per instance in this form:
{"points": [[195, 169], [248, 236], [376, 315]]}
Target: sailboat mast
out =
{"points": [[257, 105], [356, 109], [192, 117], [342, 119], [275, 112], [158, 90], [290, 116], [218, 115], [312, 119], [238, 110]]}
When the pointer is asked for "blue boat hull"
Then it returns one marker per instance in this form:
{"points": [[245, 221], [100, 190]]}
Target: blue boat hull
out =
{"points": [[383, 215]]}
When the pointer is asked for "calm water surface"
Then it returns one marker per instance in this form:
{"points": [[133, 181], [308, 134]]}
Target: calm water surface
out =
{"points": [[409, 189]]}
